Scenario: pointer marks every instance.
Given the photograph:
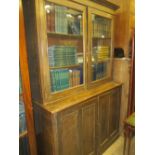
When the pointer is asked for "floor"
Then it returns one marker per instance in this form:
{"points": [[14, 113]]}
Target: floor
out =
{"points": [[117, 147]]}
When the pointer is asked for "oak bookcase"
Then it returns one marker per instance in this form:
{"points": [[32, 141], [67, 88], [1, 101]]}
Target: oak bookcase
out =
{"points": [[76, 102]]}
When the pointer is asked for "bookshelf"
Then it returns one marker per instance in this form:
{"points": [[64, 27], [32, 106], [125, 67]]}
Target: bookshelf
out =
{"points": [[71, 66], [72, 38], [70, 60], [54, 34]]}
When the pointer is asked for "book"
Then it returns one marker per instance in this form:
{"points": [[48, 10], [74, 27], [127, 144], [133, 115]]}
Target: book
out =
{"points": [[50, 18], [75, 77], [61, 23], [101, 27], [59, 79], [99, 70], [101, 52], [62, 56]]}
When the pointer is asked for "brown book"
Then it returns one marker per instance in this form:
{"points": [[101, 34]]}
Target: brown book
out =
{"points": [[52, 20], [48, 22]]}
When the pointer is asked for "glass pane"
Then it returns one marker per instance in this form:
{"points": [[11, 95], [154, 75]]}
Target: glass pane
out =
{"points": [[65, 46], [23, 139], [101, 47]]}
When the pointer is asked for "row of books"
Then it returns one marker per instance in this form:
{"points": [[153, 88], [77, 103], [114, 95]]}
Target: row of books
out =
{"points": [[22, 120], [101, 52], [59, 21], [64, 78], [62, 56], [102, 28], [99, 70]]}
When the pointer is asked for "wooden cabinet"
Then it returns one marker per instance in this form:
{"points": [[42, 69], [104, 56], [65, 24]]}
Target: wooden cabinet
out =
{"points": [[70, 60], [85, 128]]}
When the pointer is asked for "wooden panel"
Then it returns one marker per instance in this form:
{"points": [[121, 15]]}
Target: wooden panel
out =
{"points": [[121, 74], [114, 112], [69, 133], [91, 4], [32, 49], [26, 83], [103, 110], [124, 21], [116, 2], [89, 127], [44, 131]]}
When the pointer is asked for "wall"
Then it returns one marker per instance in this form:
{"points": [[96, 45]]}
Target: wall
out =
{"points": [[124, 23], [124, 26]]}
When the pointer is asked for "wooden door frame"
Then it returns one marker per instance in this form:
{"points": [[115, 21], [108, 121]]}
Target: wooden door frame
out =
{"points": [[26, 83]]}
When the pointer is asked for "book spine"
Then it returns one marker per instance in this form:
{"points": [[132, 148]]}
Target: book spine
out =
{"points": [[70, 78], [53, 20], [48, 22], [81, 26]]}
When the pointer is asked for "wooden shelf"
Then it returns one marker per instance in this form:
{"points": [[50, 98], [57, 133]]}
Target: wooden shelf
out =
{"points": [[101, 38], [55, 34], [107, 4], [23, 134], [105, 60], [71, 66]]}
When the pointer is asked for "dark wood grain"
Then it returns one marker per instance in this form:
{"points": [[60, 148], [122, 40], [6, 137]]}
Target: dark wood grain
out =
{"points": [[103, 119], [26, 83], [89, 127], [109, 116], [86, 128], [69, 124], [131, 103], [32, 49], [114, 112]]}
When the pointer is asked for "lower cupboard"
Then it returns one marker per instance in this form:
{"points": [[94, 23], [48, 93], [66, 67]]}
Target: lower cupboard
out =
{"points": [[86, 128]]}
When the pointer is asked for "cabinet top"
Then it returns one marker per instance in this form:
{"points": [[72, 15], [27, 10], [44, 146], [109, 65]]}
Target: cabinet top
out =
{"points": [[79, 98], [102, 5]]}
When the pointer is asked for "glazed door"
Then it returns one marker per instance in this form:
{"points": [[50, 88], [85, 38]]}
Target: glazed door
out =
{"points": [[100, 36], [64, 44]]}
